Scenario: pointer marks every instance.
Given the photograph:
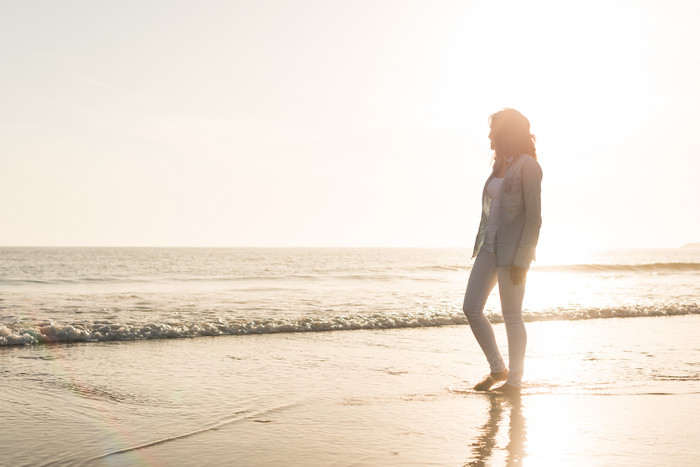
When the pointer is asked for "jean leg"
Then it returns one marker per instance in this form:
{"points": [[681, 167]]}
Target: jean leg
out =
{"points": [[512, 307], [482, 280]]}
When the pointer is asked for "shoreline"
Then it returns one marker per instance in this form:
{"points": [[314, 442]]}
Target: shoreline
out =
{"points": [[395, 397]]}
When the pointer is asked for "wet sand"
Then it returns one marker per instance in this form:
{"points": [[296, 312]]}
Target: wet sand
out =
{"points": [[597, 392]]}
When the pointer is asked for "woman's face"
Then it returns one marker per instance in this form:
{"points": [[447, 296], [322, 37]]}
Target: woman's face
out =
{"points": [[493, 147]]}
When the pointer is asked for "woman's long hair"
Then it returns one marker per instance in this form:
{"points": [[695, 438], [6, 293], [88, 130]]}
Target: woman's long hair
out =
{"points": [[510, 135]]}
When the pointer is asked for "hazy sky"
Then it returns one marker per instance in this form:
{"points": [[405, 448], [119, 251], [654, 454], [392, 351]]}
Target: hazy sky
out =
{"points": [[342, 123]]}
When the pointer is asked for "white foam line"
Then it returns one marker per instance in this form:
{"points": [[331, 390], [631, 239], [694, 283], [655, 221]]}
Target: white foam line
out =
{"points": [[27, 334], [191, 433]]}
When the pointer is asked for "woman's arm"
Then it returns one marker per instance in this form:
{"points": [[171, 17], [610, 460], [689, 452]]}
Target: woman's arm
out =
{"points": [[531, 178]]}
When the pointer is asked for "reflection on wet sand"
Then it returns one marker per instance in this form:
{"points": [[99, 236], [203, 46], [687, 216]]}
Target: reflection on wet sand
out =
{"points": [[483, 446]]}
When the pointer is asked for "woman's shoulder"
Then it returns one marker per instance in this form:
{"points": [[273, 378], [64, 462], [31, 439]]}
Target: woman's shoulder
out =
{"points": [[527, 162], [526, 159]]}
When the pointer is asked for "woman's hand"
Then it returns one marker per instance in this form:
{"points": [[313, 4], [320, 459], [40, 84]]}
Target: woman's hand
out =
{"points": [[517, 275]]}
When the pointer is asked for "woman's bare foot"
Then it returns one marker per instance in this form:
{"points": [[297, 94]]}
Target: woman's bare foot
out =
{"points": [[489, 380], [508, 390]]}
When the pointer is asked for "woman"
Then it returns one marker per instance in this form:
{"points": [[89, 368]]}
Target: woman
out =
{"points": [[505, 245]]}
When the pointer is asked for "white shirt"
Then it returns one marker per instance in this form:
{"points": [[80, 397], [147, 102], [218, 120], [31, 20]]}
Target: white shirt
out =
{"points": [[493, 190]]}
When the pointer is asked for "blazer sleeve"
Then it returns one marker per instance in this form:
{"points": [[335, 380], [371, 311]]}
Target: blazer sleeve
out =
{"points": [[532, 186]]}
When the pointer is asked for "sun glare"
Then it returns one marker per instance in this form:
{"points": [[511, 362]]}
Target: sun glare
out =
{"points": [[563, 250], [543, 58]]}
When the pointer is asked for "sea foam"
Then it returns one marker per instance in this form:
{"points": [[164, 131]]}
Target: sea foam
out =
{"points": [[47, 332]]}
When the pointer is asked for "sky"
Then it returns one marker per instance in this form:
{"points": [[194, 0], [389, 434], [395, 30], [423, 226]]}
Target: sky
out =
{"points": [[343, 123]]}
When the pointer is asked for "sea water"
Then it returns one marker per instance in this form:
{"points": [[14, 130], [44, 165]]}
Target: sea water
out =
{"points": [[109, 294], [95, 368], [597, 392]]}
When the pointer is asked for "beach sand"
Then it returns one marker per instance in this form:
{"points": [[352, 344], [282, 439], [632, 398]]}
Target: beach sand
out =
{"points": [[596, 392]]}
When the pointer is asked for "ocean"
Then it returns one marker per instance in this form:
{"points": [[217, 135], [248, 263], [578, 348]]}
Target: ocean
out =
{"points": [[347, 357], [124, 294]]}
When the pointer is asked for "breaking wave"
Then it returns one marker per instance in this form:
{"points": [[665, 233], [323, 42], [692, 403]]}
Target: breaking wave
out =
{"points": [[100, 331], [603, 268]]}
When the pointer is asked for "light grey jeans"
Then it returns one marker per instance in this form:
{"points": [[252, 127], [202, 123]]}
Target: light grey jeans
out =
{"points": [[482, 280]]}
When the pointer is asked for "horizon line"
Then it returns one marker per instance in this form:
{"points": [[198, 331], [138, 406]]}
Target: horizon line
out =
{"points": [[466, 247]]}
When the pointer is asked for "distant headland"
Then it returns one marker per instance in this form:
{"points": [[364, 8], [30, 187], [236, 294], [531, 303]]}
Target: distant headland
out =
{"points": [[691, 245]]}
